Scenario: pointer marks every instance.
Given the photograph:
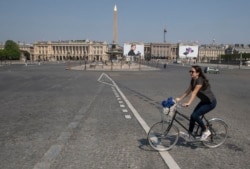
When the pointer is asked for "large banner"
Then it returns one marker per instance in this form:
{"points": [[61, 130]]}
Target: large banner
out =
{"points": [[132, 51], [188, 51]]}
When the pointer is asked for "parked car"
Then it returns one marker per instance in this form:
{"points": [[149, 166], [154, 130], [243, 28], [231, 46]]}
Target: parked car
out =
{"points": [[246, 63], [177, 62], [209, 69]]}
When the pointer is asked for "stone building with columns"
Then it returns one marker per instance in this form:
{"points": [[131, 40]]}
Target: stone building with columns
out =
{"points": [[161, 51], [210, 52], [70, 50]]}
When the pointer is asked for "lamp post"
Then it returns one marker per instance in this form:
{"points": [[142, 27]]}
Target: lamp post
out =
{"points": [[111, 62], [139, 61], [80, 58], [157, 61], [85, 67], [240, 60], [69, 61], [10, 59], [219, 60]]}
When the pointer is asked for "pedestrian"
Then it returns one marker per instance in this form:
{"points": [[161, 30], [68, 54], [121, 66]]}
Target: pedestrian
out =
{"points": [[200, 87]]}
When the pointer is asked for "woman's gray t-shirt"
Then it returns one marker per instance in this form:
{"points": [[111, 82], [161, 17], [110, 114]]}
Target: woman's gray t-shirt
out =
{"points": [[205, 94]]}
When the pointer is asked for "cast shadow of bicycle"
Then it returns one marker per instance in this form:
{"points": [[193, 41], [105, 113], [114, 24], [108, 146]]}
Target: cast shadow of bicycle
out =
{"points": [[192, 145], [144, 145]]}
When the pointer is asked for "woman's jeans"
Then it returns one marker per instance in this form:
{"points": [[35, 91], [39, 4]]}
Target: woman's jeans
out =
{"points": [[200, 109]]}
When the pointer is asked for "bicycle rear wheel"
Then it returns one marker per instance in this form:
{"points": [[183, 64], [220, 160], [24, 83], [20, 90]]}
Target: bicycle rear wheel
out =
{"points": [[218, 129], [162, 136]]}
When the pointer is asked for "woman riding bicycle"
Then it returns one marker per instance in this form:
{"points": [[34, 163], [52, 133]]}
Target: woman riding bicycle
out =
{"points": [[200, 87]]}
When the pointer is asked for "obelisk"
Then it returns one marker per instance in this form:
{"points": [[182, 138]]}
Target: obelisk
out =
{"points": [[115, 28]]}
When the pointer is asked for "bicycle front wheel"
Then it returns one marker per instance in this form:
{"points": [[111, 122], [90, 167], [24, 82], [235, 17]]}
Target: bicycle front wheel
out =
{"points": [[218, 129], [162, 136]]}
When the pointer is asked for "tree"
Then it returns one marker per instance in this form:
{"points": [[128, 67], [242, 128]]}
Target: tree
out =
{"points": [[12, 50], [2, 54]]}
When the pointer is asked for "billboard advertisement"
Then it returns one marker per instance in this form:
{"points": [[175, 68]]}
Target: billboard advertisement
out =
{"points": [[132, 51], [190, 51]]}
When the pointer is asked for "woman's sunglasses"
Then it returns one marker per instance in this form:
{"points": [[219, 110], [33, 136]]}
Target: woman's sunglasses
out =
{"points": [[191, 71]]}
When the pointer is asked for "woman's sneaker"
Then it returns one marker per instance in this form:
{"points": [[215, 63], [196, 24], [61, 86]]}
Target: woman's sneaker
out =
{"points": [[205, 135]]}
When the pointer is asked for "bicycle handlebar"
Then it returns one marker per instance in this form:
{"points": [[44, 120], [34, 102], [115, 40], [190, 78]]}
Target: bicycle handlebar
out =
{"points": [[179, 104]]}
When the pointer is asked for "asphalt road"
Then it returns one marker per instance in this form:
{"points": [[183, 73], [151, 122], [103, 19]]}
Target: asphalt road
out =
{"points": [[146, 90], [46, 106], [37, 104]]}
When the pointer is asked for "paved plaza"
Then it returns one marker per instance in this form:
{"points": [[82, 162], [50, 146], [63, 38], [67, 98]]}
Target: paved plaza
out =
{"points": [[53, 117]]}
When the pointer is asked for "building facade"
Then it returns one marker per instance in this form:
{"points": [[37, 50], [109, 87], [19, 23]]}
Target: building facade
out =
{"points": [[161, 51], [210, 52], [28, 48], [101, 51], [238, 48], [70, 50]]}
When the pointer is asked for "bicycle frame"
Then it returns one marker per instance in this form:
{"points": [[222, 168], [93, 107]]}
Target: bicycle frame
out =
{"points": [[198, 132], [164, 135]]}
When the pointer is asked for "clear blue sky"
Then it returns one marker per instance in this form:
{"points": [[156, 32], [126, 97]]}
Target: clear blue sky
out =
{"points": [[226, 21]]}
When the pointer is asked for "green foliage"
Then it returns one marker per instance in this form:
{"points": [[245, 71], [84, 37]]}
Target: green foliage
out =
{"points": [[12, 50], [243, 56], [246, 56], [2, 54]]}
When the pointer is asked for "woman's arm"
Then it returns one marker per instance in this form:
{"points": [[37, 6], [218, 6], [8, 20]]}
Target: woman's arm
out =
{"points": [[185, 94], [193, 95]]}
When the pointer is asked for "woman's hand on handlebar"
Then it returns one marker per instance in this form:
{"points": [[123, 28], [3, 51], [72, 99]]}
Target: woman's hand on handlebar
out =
{"points": [[177, 99], [185, 104]]}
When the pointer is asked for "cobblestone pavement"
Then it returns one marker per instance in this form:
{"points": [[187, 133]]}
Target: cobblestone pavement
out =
{"points": [[106, 139], [184, 153], [146, 90], [54, 118], [62, 119], [117, 67]]}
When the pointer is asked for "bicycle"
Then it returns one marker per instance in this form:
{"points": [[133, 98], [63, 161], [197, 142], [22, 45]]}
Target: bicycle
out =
{"points": [[164, 135]]}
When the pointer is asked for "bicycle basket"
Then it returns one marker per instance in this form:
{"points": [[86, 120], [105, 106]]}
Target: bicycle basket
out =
{"points": [[169, 106], [169, 110]]}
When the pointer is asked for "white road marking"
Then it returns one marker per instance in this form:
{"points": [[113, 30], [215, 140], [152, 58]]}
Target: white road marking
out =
{"points": [[124, 110], [127, 116], [168, 159]]}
